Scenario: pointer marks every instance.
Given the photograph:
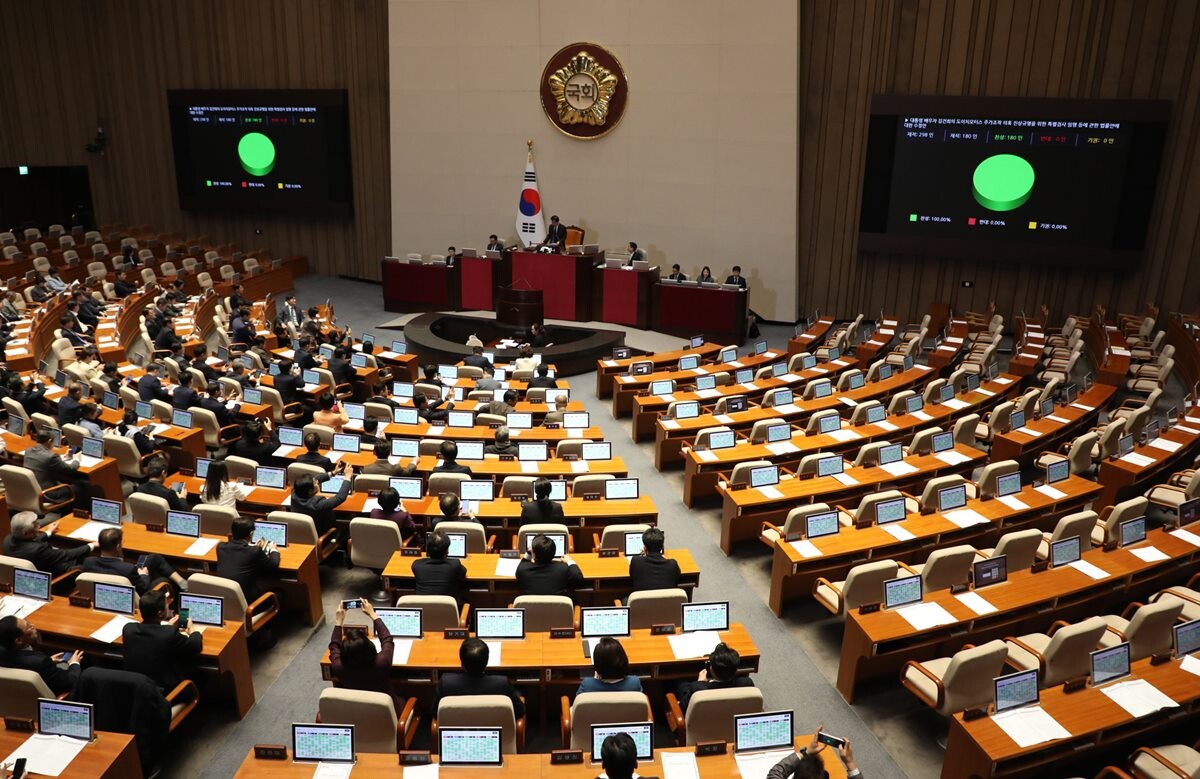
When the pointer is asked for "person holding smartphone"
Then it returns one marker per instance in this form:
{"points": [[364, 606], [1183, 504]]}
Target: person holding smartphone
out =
{"points": [[808, 764], [163, 649], [353, 658]]}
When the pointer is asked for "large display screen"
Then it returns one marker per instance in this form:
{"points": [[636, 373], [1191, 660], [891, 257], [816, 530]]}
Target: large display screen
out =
{"points": [[267, 151], [1067, 181]]}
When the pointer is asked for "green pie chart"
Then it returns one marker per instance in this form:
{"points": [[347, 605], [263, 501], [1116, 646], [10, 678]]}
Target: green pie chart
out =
{"points": [[256, 153], [1002, 182]]}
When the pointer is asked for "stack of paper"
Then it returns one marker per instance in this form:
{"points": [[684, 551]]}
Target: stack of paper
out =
{"points": [[507, 566], [110, 631], [770, 492], [1058, 419], [782, 447], [579, 466], [1051, 492], [1094, 571], [923, 616], [966, 517], [494, 648], [886, 425], [1140, 460], [706, 455], [201, 546], [899, 468], [1165, 445], [429, 771], [19, 606], [695, 644], [708, 393], [975, 602], [679, 765], [724, 419], [1013, 502], [755, 765], [46, 755], [806, 548], [670, 424], [1188, 430], [1083, 407], [844, 434], [88, 531], [848, 402], [955, 403], [1138, 697], [788, 408], [1029, 431], [951, 457], [1149, 554], [531, 466], [333, 770], [921, 415], [898, 533], [1003, 380], [1191, 664], [846, 479], [1186, 535], [1030, 725]]}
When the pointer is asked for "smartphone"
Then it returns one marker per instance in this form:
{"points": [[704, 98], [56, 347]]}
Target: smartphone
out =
{"points": [[353, 603], [184, 615], [833, 741], [141, 563], [18, 769]]}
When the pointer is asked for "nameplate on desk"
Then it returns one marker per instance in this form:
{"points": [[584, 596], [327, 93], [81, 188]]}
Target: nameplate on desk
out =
{"points": [[18, 724], [978, 712], [706, 748], [562, 632], [569, 458], [80, 601], [566, 757], [410, 551], [869, 608], [510, 554], [152, 527], [1078, 683], [957, 588], [1040, 566], [1110, 546], [1159, 658], [494, 425], [415, 757], [270, 752], [602, 552], [507, 458], [518, 498], [797, 535], [5, 588], [455, 634], [552, 426], [592, 496], [739, 486], [662, 630]]}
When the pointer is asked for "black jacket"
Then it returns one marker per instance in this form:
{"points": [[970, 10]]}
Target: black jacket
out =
{"points": [[44, 555], [150, 388], [131, 703], [454, 467], [343, 372], [320, 507], [541, 511], [439, 577], [183, 397], [261, 452], [653, 572], [479, 361], [450, 684], [160, 490], [305, 360], [288, 387], [687, 689], [224, 415], [58, 678], [117, 567], [317, 459], [553, 578], [158, 650], [244, 563], [543, 381], [70, 411]]}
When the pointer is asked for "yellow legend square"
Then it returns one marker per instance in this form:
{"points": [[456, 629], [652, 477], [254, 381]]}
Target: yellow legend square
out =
{"points": [[1033, 225], [280, 185]]}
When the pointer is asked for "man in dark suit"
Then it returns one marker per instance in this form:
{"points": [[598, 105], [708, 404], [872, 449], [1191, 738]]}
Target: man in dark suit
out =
{"points": [[164, 652], [184, 397], [449, 463], [70, 410], [254, 445], [210, 402], [431, 412], [307, 499], [287, 385], [493, 244], [111, 560], [736, 277], [676, 274], [541, 509], [635, 254], [502, 444], [339, 365], [237, 300], [149, 387], [70, 330], [720, 673], [123, 286], [306, 356], [20, 648], [384, 467], [382, 397], [556, 236], [290, 315], [543, 575], [166, 339], [28, 543], [474, 679], [436, 573], [501, 407], [156, 471], [651, 570], [477, 360], [244, 562], [312, 454], [50, 469]]}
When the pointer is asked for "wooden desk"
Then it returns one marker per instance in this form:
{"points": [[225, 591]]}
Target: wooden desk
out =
{"points": [[297, 562], [522, 766], [980, 749], [1123, 479], [793, 575], [622, 296], [687, 309], [485, 433], [1029, 341], [1108, 350], [1072, 420], [743, 511], [879, 342], [225, 651], [103, 474], [564, 279], [625, 388], [950, 350], [876, 645], [419, 287], [109, 756], [810, 338], [605, 577], [607, 370]]}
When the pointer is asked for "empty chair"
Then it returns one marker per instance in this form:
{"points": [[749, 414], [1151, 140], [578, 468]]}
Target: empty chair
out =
{"points": [[590, 484], [216, 520], [866, 506], [794, 523], [482, 711], [85, 585], [517, 485], [964, 430], [863, 584], [1108, 526], [655, 607], [1187, 597], [255, 616], [131, 463], [303, 530], [570, 446], [1147, 628], [710, 713], [741, 471], [372, 542], [19, 693], [922, 442], [613, 536], [446, 482], [945, 568], [545, 612], [992, 472], [1110, 437], [1080, 523], [952, 684], [896, 405], [861, 412], [377, 726], [241, 468], [1019, 547], [23, 492], [598, 708], [929, 496], [703, 438], [1060, 656], [438, 612], [477, 540], [1168, 761], [1078, 454], [1170, 496]]}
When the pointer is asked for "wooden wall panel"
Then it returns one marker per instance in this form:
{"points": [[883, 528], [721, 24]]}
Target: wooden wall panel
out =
{"points": [[853, 49], [57, 83]]}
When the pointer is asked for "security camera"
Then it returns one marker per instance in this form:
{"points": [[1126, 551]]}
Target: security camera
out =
{"points": [[98, 143]]}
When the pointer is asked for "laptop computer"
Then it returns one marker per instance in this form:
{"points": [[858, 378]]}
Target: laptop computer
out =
{"points": [[763, 732], [1014, 690], [642, 734], [500, 623], [470, 746], [313, 743]]}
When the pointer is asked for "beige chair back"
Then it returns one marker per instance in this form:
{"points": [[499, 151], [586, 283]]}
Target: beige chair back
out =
{"points": [[992, 472], [445, 482], [21, 488], [531, 531], [613, 536], [301, 527], [589, 484], [241, 468], [1066, 656], [148, 509], [794, 523], [968, 679], [216, 520], [438, 612], [947, 567], [929, 495], [741, 471], [864, 583], [1149, 632], [599, 708], [517, 485], [324, 432], [19, 693], [710, 713], [544, 612], [296, 470], [372, 714], [1118, 513], [1020, 547], [704, 436], [372, 542], [125, 452], [655, 607], [481, 711], [234, 600]]}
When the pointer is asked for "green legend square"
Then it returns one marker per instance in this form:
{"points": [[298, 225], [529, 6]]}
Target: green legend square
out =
{"points": [[208, 183], [912, 217]]}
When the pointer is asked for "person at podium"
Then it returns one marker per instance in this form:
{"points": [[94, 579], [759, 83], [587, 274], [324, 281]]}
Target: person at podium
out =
{"points": [[493, 244], [705, 276], [556, 236], [736, 277], [676, 274], [635, 254], [451, 255]]}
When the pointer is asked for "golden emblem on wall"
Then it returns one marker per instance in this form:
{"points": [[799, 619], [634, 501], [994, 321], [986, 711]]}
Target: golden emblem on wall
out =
{"points": [[584, 90]]}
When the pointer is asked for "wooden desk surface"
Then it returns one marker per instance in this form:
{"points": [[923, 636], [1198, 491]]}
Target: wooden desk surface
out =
{"points": [[626, 387], [951, 347], [1067, 421], [1031, 342], [880, 340], [482, 567], [607, 369], [811, 337], [1121, 478], [486, 433], [109, 756]]}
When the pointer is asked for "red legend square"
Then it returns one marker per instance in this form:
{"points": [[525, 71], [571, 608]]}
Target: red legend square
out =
{"points": [[970, 220], [243, 184]]}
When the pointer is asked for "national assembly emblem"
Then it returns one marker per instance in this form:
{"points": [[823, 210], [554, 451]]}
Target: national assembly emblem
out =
{"points": [[584, 90]]}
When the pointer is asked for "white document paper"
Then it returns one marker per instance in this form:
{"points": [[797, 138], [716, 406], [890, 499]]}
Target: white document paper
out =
{"points": [[429, 771], [770, 492], [806, 548], [1140, 460], [580, 466], [1138, 697], [1165, 445], [19, 606], [1030, 725], [1083, 407], [494, 648], [88, 531], [898, 533], [679, 765], [951, 457], [1188, 430], [749, 386], [707, 393], [886, 425], [695, 644], [1003, 380], [921, 415], [575, 432], [899, 468], [670, 424], [1186, 535], [610, 363], [1088, 569], [724, 419], [201, 547], [46, 755], [705, 455], [844, 434], [369, 505], [966, 517], [87, 461], [1029, 431], [531, 466], [437, 430], [789, 378], [333, 770], [1149, 554], [507, 566], [110, 631], [846, 479], [699, 371], [956, 404], [782, 447], [786, 409], [975, 602], [1191, 664], [1013, 502], [755, 765], [667, 398], [985, 392], [1050, 492], [1058, 419], [848, 402], [923, 616]]}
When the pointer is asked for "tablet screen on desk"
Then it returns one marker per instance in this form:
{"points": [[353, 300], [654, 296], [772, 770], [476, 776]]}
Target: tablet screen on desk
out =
{"points": [[1018, 689], [203, 609], [402, 389], [558, 489], [598, 450], [470, 450], [901, 591], [1057, 471], [722, 439], [1133, 531], [994, 570], [323, 743], [353, 410], [535, 452], [599, 622], [856, 381], [770, 730], [476, 489], [890, 510], [31, 584], [518, 420], [782, 397], [405, 416], [499, 623], [687, 409], [689, 361], [642, 734], [876, 413], [764, 476], [950, 498], [824, 523], [274, 532], [621, 489], [1187, 638], [891, 453], [291, 436], [401, 623], [116, 598], [828, 423], [408, 488], [107, 511], [274, 478], [460, 419], [830, 466], [728, 354], [469, 746], [183, 523], [777, 433], [1008, 484], [65, 718], [576, 419], [706, 382], [704, 616], [913, 404], [458, 545], [406, 447], [1109, 664], [822, 388], [1064, 551], [345, 442]]}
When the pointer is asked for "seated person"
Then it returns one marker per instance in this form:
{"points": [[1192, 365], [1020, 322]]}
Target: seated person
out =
{"points": [[488, 381], [502, 407], [286, 383], [541, 509], [20, 648], [25, 541], [70, 408], [156, 472], [451, 508], [676, 274], [542, 378], [556, 417], [370, 432], [808, 764], [437, 573], [308, 499], [449, 462], [255, 445], [635, 254], [474, 678], [525, 361], [476, 360], [339, 365], [91, 420], [354, 660], [720, 673], [382, 396], [219, 490], [162, 649], [244, 562], [543, 575], [211, 401], [237, 372], [651, 570], [736, 277], [128, 428], [618, 756], [431, 411], [384, 467], [312, 453], [51, 470], [390, 509], [328, 415], [611, 666], [111, 560], [502, 444]]}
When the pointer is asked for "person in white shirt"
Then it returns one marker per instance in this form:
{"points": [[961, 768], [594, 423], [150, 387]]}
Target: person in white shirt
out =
{"points": [[219, 490]]}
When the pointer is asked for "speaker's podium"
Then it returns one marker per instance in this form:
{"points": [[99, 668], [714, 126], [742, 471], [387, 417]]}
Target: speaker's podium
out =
{"points": [[412, 285], [624, 295], [481, 276], [519, 307], [566, 280]]}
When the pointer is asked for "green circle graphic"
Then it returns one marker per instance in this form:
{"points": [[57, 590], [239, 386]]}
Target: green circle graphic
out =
{"points": [[256, 153], [1002, 182]]}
